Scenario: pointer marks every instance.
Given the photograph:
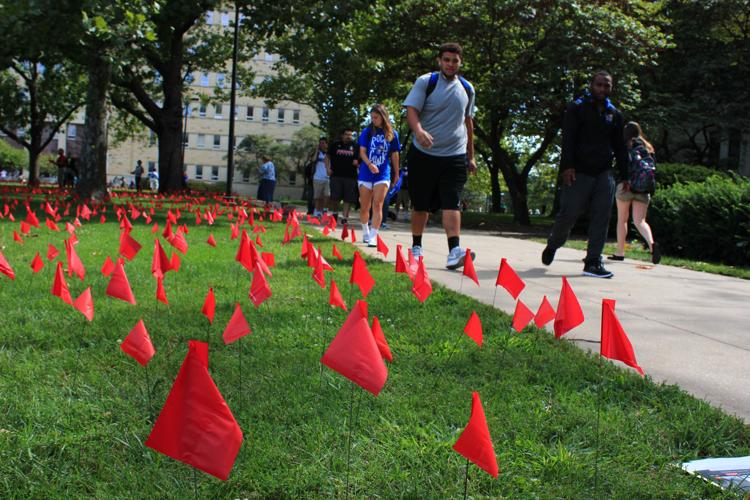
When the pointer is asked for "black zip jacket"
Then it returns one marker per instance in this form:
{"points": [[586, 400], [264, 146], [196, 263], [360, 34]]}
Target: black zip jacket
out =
{"points": [[591, 139]]}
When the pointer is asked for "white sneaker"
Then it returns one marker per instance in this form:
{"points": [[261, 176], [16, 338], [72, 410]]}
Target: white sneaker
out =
{"points": [[456, 258], [372, 243], [416, 251]]}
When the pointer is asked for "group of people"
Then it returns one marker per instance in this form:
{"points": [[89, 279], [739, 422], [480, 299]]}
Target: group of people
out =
{"points": [[153, 177], [67, 169]]}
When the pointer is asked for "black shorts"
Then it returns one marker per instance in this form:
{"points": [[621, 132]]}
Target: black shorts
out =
{"points": [[344, 188], [436, 182]]}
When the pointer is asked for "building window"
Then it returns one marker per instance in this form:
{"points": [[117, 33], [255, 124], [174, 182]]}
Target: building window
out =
{"points": [[225, 19], [264, 116], [280, 116], [268, 57], [295, 116], [151, 139], [209, 17], [202, 110], [250, 113], [189, 78], [292, 178], [71, 130], [199, 171], [185, 139], [220, 80], [204, 80], [214, 173], [151, 166], [217, 141], [201, 140], [218, 108], [246, 175]]}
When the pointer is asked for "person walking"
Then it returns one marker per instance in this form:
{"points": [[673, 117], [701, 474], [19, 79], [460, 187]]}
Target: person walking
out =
{"points": [[439, 109], [627, 195], [62, 166], [343, 159], [138, 175], [592, 137], [321, 186], [267, 182], [153, 177], [379, 151]]}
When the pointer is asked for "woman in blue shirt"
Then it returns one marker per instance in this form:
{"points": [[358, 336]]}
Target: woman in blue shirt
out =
{"points": [[379, 150], [267, 180]]}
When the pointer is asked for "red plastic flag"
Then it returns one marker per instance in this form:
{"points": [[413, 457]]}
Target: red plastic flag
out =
{"points": [[211, 240], [17, 238], [469, 271], [161, 295], [59, 286], [5, 267], [475, 443], [508, 279], [382, 247], [155, 228], [344, 232], [268, 258], [401, 266], [522, 316], [25, 227], [336, 253], [119, 286], [129, 247], [473, 327], [412, 265], [37, 263], [196, 426], [318, 274], [353, 236], [544, 314], [259, 289], [615, 342], [74, 262], [209, 306], [174, 262], [361, 276], [52, 252], [334, 298], [31, 218], [51, 225], [237, 326], [383, 347], [85, 304], [569, 313], [355, 355], [178, 241], [422, 287], [160, 264], [108, 266]]}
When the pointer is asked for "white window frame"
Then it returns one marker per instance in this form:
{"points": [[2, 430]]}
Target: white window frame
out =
{"points": [[280, 112], [295, 116], [225, 18], [217, 146], [215, 173], [201, 141], [250, 113], [218, 111], [221, 79], [205, 80], [199, 171], [265, 115], [71, 131], [202, 111]]}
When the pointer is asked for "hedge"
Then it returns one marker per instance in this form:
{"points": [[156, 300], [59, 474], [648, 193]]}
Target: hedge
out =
{"points": [[668, 174]]}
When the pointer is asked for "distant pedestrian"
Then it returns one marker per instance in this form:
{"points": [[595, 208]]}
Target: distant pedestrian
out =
{"points": [[138, 175], [343, 160], [62, 164], [379, 154], [321, 186], [592, 137], [267, 182], [627, 196], [71, 173], [439, 108], [153, 177]]}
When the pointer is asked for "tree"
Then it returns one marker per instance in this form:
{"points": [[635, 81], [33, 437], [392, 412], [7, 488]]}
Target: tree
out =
{"points": [[253, 148]]}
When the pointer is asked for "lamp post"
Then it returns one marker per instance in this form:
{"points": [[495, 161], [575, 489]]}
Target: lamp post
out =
{"points": [[232, 102], [186, 115]]}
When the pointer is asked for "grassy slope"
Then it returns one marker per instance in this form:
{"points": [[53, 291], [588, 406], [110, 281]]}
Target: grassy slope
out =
{"points": [[75, 426]]}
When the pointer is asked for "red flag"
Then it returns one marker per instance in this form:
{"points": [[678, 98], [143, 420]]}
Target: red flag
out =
{"points": [[615, 342], [383, 347], [196, 426], [422, 286], [569, 314], [155, 228], [25, 228], [381, 246], [355, 355], [174, 262], [129, 248], [161, 295], [138, 344], [51, 225], [361, 276], [318, 275], [37, 263], [334, 298], [305, 245], [209, 306], [268, 258], [85, 304], [237, 326], [412, 265], [108, 266], [17, 238], [344, 232], [508, 279], [211, 240], [59, 286], [159, 263], [522, 316], [475, 443], [469, 267], [354, 236], [178, 241], [473, 327], [401, 266], [52, 252], [259, 289], [336, 252], [5, 267], [119, 286], [74, 262], [544, 314]]}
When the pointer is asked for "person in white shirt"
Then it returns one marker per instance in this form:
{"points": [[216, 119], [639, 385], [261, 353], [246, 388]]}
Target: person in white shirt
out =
{"points": [[321, 186]]}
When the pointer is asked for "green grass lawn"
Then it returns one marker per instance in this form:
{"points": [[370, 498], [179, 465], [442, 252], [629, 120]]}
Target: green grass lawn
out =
{"points": [[74, 413]]}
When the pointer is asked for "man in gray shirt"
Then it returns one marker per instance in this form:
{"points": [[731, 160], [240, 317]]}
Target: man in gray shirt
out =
{"points": [[439, 108]]}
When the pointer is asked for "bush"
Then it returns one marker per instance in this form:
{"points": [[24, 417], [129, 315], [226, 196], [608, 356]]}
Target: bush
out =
{"points": [[704, 220], [207, 187], [668, 174]]}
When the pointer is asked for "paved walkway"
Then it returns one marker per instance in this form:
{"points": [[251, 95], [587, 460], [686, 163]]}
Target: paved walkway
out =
{"points": [[687, 327]]}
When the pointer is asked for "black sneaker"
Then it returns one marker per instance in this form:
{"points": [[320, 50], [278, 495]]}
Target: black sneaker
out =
{"points": [[548, 255], [596, 271]]}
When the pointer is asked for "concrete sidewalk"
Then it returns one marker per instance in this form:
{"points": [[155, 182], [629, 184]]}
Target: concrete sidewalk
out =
{"points": [[687, 328]]}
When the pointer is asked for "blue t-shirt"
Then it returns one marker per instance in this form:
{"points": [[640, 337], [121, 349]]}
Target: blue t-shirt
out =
{"points": [[268, 171], [379, 152]]}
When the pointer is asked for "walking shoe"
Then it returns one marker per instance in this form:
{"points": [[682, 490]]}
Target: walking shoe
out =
{"points": [[372, 243], [596, 271], [343, 221], [548, 255], [618, 258], [416, 251], [655, 253], [456, 258]]}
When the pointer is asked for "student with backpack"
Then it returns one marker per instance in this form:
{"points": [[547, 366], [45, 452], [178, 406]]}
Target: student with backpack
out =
{"points": [[635, 188]]}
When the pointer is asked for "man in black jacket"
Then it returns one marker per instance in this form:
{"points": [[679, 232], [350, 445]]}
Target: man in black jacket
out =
{"points": [[592, 137]]}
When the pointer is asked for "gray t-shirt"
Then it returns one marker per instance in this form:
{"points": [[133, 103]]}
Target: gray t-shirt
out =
{"points": [[442, 114]]}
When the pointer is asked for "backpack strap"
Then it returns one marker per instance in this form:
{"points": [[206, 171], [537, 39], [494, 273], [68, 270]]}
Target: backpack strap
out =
{"points": [[432, 83]]}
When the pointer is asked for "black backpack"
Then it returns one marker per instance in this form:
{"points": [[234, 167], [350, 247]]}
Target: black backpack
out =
{"points": [[641, 169]]}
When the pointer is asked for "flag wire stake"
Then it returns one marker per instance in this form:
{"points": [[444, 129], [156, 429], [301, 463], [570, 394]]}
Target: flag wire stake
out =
{"points": [[598, 412], [349, 439], [466, 478]]}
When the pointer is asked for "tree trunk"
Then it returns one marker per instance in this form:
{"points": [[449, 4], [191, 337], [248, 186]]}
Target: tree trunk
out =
{"points": [[497, 195], [519, 200], [33, 167], [170, 154], [93, 169]]}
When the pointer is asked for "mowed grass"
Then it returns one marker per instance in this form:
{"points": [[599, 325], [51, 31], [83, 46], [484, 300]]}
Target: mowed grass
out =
{"points": [[74, 410]]}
